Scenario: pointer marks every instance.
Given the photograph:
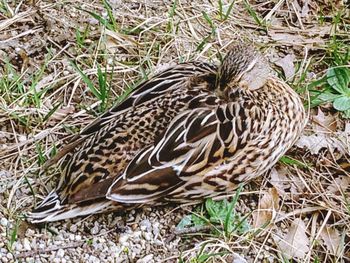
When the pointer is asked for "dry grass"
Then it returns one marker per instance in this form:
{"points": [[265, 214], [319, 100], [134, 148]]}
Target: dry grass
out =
{"points": [[44, 100]]}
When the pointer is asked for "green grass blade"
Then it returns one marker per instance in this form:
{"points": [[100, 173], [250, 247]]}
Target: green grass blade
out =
{"points": [[86, 79], [228, 12], [233, 203]]}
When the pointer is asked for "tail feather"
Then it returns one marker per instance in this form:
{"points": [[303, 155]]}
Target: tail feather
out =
{"points": [[51, 209]]}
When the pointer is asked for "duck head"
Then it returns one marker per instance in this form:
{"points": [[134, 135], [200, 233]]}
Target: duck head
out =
{"points": [[242, 68]]}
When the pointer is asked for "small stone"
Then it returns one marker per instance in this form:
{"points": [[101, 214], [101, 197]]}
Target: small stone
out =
{"points": [[4, 221], [146, 225], [93, 259], [30, 232], [73, 228], [145, 259], [26, 244], [9, 256], [95, 229], [123, 238], [147, 236], [158, 242], [18, 246], [22, 138], [60, 253], [41, 246]]}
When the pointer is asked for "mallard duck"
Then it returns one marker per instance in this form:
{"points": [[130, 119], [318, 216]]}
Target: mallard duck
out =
{"points": [[191, 132]]}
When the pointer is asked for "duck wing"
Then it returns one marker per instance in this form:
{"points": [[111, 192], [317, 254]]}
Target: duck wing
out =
{"points": [[147, 91], [194, 140]]}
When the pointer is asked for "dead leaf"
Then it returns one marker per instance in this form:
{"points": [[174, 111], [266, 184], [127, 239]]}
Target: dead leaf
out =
{"points": [[325, 135], [315, 142], [332, 239], [286, 183], [280, 180], [44, 82], [340, 185], [305, 9], [324, 123], [294, 39], [115, 40], [294, 244], [61, 113], [287, 64], [268, 204]]}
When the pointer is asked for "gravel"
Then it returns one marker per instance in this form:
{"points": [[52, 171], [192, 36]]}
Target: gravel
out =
{"points": [[104, 238]]}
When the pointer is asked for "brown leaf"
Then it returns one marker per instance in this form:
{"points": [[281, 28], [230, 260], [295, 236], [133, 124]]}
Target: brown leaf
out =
{"points": [[287, 64], [315, 142], [286, 183], [61, 113], [340, 185], [268, 204], [294, 244], [332, 239], [324, 123], [294, 39], [325, 135], [280, 180], [115, 40]]}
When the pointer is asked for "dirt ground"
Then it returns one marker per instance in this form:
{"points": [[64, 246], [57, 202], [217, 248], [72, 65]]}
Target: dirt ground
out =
{"points": [[46, 49]]}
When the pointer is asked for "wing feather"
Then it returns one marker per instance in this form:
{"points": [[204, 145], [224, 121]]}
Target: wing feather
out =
{"points": [[188, 145], [147, 91]]}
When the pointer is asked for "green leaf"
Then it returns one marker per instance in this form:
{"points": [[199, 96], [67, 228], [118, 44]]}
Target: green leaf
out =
{"points": [[328, 96], [230, 211], [317, 83], [198, 221], [185, 222], [216, 210], [291, 161], [339, 79], [342, 103], [346, 114]]}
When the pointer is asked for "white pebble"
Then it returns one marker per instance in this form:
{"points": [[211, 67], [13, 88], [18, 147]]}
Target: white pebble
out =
{"points": [[147, 236], [95, 229], [4, 221], [18, 246], [123, 238], [30, 232], [73, 228], [41, 246], [60, 253], [22, 138], [93, 259], [145, 259], [26, 244]]}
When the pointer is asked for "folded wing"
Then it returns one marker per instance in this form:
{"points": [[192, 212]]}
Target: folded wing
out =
{"points": [[194, 140]]}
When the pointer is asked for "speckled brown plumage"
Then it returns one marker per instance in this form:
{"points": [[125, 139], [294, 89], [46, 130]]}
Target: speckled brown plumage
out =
{"points": [[190, 132]]}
